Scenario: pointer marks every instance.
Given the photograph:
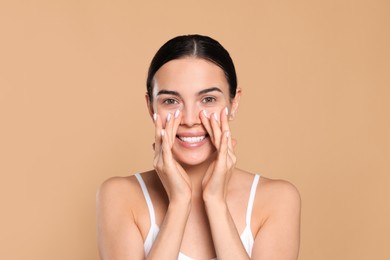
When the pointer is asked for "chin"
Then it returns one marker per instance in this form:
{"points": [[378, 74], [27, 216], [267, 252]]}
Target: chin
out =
{"points": [[193, 156], [191, 160]]}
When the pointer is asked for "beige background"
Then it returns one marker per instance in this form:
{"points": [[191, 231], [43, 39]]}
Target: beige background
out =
{"points": [[315, 111]]}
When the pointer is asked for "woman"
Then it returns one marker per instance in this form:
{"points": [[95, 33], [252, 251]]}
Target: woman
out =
{"points": [[196, 204]]}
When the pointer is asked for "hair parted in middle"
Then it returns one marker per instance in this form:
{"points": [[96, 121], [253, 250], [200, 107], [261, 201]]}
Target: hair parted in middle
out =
{"points": [[197, 46]]}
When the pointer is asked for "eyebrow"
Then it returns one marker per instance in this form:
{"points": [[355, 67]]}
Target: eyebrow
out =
{"points": [[168, 92], [175, 93], [207, 90]]}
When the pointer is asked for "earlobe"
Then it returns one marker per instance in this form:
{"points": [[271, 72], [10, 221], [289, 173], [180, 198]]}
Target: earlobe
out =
{"points": [[235, 104]]}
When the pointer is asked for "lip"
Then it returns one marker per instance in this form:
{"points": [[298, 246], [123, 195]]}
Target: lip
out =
{"points": [[191, 134], [192, 145]]}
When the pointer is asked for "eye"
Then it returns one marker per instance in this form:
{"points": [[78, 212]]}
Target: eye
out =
{"points": [[208, 100], [170, 101]]}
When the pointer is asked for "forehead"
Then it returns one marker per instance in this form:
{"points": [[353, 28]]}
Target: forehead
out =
{"points": [[190, 74]]}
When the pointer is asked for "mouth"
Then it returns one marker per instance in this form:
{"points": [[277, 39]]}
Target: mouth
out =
{"points": [[192, 139]]}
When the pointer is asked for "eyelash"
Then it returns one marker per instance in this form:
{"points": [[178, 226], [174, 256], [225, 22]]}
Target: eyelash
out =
{"points": [[170, 101], [209, 100]]}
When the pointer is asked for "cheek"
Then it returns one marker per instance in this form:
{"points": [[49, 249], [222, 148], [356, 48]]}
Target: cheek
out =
{"points": [[163, 114], [215, 109]]}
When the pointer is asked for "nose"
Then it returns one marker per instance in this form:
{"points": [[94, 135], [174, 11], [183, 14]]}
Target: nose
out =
{"points": [[190, 116]]}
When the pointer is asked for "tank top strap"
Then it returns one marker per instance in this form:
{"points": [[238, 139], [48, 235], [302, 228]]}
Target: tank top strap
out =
{"points": [[147, 198], [251, 199]]}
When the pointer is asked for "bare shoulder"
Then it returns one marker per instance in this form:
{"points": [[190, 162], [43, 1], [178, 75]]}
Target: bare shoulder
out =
{"points": [[279, 190], [270, 189], [117, 187], [277, 200], [120, 191], [118, 200], [277, 220]]}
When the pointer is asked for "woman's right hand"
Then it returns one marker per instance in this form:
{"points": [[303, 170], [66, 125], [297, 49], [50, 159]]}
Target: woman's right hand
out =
{"points": [[175, 180]]}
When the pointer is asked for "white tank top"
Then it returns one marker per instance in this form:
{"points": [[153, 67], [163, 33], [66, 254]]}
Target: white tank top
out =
{"points": [[246, 236]]}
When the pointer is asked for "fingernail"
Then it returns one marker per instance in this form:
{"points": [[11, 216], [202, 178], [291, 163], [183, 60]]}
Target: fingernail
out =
{"points": [[228, 134], [215, 116], [177, 113], [154, 117], [162, 132], [169, 117], [205, 113], [226, 111]]}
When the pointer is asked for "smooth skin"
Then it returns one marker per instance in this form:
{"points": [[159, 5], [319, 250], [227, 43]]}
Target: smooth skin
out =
{"points": [[199, 196]]}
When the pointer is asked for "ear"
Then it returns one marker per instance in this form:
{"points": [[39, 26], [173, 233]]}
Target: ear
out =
{"points": [[235, 103], [150, 105]]}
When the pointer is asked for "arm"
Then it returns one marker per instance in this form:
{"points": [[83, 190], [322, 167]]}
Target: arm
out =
{"points": [[168, 242], [118, 234], [119, 237], [279, 236], [178, 188], [226, 239]]}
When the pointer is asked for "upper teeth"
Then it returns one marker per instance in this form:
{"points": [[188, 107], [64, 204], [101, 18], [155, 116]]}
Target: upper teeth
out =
{"points": [[193, 139]]}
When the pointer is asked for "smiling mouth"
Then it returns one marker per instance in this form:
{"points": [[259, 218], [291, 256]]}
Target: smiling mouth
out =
{"points": [[192, 139]]}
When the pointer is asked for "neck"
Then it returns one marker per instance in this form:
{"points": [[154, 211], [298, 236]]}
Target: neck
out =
{"points": [[196, 174]]}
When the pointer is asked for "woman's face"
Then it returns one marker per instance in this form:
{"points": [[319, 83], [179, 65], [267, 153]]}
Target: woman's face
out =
{"points": [[191, 85]]}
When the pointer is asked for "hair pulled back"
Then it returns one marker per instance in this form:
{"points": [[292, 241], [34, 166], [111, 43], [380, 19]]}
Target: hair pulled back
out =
{"points": [[197, 46]]}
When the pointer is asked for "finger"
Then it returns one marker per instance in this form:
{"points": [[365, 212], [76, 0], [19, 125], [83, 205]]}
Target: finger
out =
{"points": [[168, 127], [232, 156], [166, 148], [157, 161], [223, 151], [205, 119], [232, 159], [176, 123], [158, 127], [224, 119], [215, 128], [225, 126], [230, 142]]}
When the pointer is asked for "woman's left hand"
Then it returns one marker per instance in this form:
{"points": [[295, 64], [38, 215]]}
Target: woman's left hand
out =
{"points": [[218, 174]]}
